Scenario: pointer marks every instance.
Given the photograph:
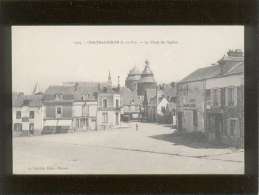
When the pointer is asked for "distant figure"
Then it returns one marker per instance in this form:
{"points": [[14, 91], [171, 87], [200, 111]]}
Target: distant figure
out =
{"points": [[136, 126]]}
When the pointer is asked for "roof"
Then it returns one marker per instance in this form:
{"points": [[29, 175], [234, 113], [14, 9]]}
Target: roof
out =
{"points": [[128, 97], [237, 69], [202, 73], [90, 89], [149, 79], [59, 89], [27, 100], [134, 71], [147, 70], [226, 66], [76, 90], [133, 77]]}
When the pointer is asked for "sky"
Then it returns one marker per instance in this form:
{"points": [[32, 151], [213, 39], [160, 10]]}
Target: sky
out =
{"points": [[50, 55]]}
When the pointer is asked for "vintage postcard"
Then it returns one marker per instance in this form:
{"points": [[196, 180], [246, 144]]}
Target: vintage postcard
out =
{"points": [[128, 99]]}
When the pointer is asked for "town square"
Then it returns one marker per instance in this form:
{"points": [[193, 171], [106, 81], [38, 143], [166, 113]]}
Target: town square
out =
{"points": [[170, 109], [153, 149]]}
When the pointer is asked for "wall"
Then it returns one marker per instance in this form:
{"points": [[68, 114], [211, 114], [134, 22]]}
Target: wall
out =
{"points": [[37, 120], [191, 97], [111, 119], [228, 112], [86, 110], [143, 86], [50, 110], [77, 109], [92, 109], [233, 80]]}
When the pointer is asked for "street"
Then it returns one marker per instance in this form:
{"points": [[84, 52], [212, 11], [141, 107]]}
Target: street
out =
{"points": [[153, 149]]}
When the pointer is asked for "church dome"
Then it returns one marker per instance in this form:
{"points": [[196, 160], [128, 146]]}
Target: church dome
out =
{"points": [[134, 71]]}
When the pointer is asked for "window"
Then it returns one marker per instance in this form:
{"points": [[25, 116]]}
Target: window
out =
{"points": [[31, 126], [31, 114], [105, 103], [59, 96], [17, 127], [232, 126], [195, 118], [117, 103], [216, 95], [58, 111], [231, 96], [105, 117], [208, 96], [223, 92], [18, 114]]}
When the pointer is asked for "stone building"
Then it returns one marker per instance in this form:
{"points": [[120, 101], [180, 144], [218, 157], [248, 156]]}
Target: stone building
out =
{"points": [[27, 114], [130, 105], [57, 109], [210, 100], [147, 80], [108, 109], [225, 102]]}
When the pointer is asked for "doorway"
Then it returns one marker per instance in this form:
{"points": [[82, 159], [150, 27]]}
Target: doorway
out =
{"points": [[218, 127], [180, 120]]}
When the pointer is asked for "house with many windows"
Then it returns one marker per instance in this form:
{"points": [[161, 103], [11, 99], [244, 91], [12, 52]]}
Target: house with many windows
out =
{"points": [[210, 100], [108, 109], [27, 114], [57, 109], [225, 102], [84, 108]]}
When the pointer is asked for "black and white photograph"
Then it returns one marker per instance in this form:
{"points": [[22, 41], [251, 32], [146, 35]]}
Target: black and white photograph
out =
{"points": [[144, 99]]}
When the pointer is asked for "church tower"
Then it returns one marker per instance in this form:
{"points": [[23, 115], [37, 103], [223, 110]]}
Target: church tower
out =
{"points": [[109, 80], [147, 80]]}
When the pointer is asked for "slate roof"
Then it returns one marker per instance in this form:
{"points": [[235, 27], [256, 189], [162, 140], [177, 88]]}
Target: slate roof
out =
{"points": [[134, 71], [237, 69], [88, 88], [75, 90], [59, 89], [128, 97], [226, 66], [27, 100]]}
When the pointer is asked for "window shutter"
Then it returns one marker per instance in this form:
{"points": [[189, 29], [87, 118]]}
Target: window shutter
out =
{"points": [[223, 97], [235, 96], [226, 96], [219, 96]]}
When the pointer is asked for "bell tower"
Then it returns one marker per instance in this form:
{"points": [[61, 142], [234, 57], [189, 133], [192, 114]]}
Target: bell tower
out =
{"points": [[109, 79]]}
